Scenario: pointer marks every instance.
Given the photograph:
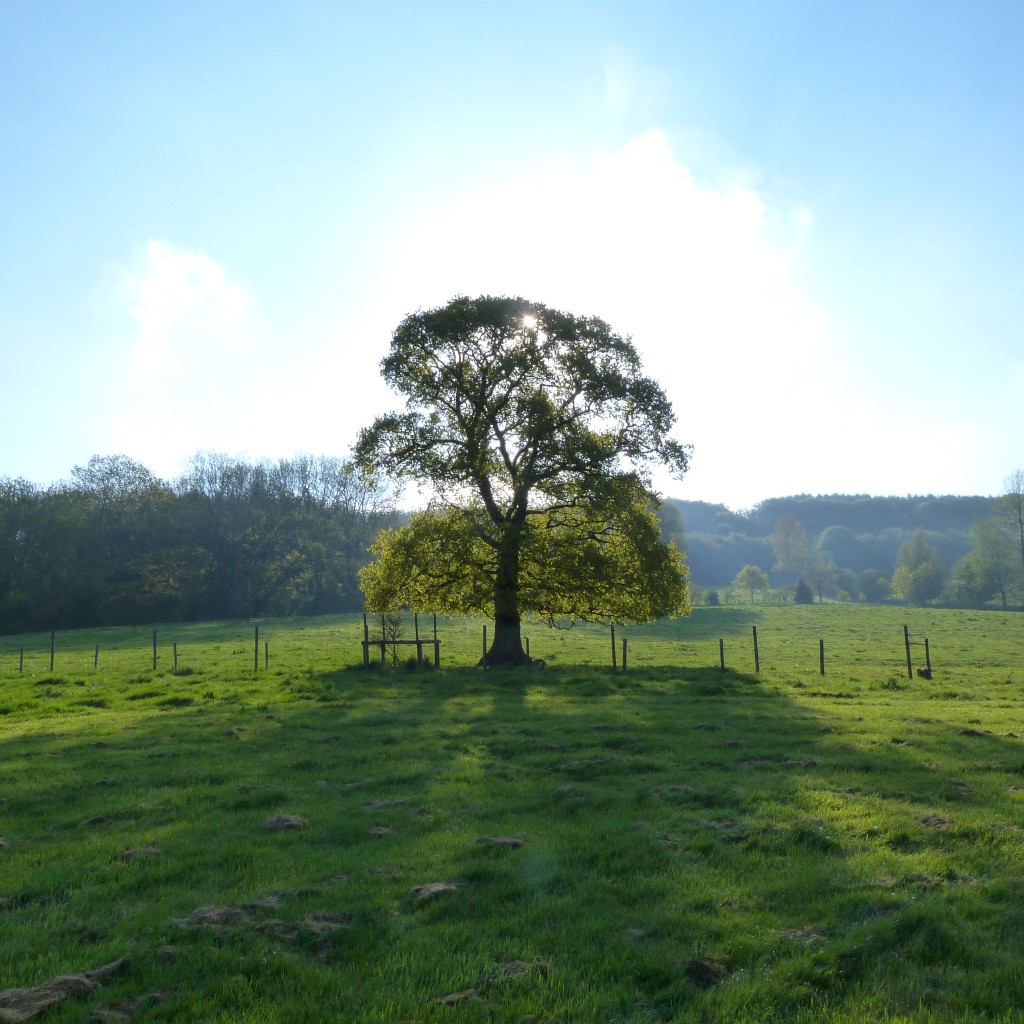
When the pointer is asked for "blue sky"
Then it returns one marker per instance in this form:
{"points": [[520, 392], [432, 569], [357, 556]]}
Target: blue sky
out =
{"points": [[807, 215]]}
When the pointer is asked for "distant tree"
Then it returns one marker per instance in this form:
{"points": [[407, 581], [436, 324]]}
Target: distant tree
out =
{"points": [[874, 585], [751, 579], [673, 528], [802, 594], [537, 431], [1010, 508], [919, 575], [848, 583], [969, 585], [823, 578], [789, 543], [995, 557]]}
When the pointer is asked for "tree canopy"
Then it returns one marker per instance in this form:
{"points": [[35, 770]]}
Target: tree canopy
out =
{"points": [[537, 433]]}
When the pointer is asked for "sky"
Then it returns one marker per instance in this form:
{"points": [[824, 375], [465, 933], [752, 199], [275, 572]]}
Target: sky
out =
{"points": [[807, 216]]}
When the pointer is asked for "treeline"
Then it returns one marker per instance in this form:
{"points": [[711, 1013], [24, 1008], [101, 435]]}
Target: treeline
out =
{"points": [[859, 532], [229, 538]]}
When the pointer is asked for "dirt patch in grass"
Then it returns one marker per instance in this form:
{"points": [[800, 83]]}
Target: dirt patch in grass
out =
{"points": [[505, 970], [214, 917], [727, 829], [285, 822], [933, 820], [508, 842], [19, 1004], [705, 971], [431, 891], [126, 1009], [149, 850]]}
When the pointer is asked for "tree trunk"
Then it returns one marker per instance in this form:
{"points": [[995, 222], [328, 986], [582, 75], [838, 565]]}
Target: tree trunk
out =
{"points": [[507, 645]]}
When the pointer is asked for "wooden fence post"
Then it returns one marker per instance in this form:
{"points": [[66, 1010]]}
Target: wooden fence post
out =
{"points": [[615, 663], [721, 653], [175, 648], [821, 656], [757, 655], [906, 644], [366, 642], [625, 651], [927, 657], [96, 657], [21, 660], [256, 651]]}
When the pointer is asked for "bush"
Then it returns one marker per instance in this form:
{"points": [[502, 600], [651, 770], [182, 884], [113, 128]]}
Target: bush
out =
{"points": [[802, 593]]}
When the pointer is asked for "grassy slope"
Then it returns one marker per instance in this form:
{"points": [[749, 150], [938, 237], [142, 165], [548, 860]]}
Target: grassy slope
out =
{"points": [[698, 846]]}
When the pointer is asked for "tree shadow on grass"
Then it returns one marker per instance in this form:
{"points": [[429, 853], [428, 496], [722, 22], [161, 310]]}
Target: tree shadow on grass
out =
{"points": [[692, 842]]}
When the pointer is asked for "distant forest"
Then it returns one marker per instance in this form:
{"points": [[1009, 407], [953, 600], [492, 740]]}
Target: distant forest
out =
{"points": [[853, 534], [228, 539]]}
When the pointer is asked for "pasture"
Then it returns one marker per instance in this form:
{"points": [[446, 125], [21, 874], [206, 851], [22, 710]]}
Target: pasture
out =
{"points": [[317, 842]]}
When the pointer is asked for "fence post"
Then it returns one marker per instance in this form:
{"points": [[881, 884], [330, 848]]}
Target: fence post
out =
{"points": [[527, 646], [821, 656], [615, 663], [96, 657], [175, 648], [154, 650], [757, 656], [256, 651], [21, 660], [906, 643], [625, 650], [266, 654], [366, 642], [437, 645], [927, 656], [721, 653]]}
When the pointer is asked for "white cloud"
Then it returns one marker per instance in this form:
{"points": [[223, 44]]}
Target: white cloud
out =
{"points": [[194, 352], [186, 309]]}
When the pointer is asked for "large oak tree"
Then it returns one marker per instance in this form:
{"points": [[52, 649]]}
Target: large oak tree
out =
{"points": [[537, 432]]}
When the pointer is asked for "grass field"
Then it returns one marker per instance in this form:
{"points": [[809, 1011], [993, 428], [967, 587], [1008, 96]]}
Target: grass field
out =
{"points": [[321, 843]]}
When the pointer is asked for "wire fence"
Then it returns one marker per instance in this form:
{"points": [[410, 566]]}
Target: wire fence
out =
{"points": [[773, 641]]}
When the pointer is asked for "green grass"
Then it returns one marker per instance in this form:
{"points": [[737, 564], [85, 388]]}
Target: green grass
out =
{"points": [[696, 845]]}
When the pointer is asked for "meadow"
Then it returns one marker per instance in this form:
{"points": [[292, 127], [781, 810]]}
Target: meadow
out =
{"points": [[315, 841]]}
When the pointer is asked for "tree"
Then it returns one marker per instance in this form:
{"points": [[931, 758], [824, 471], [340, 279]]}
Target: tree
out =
{"points": [[874, 585], [802, 594], [537, 432], [995, 557], [919, 575], [1011, 507], [753, 579], [789, 542], [823, 577]]}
